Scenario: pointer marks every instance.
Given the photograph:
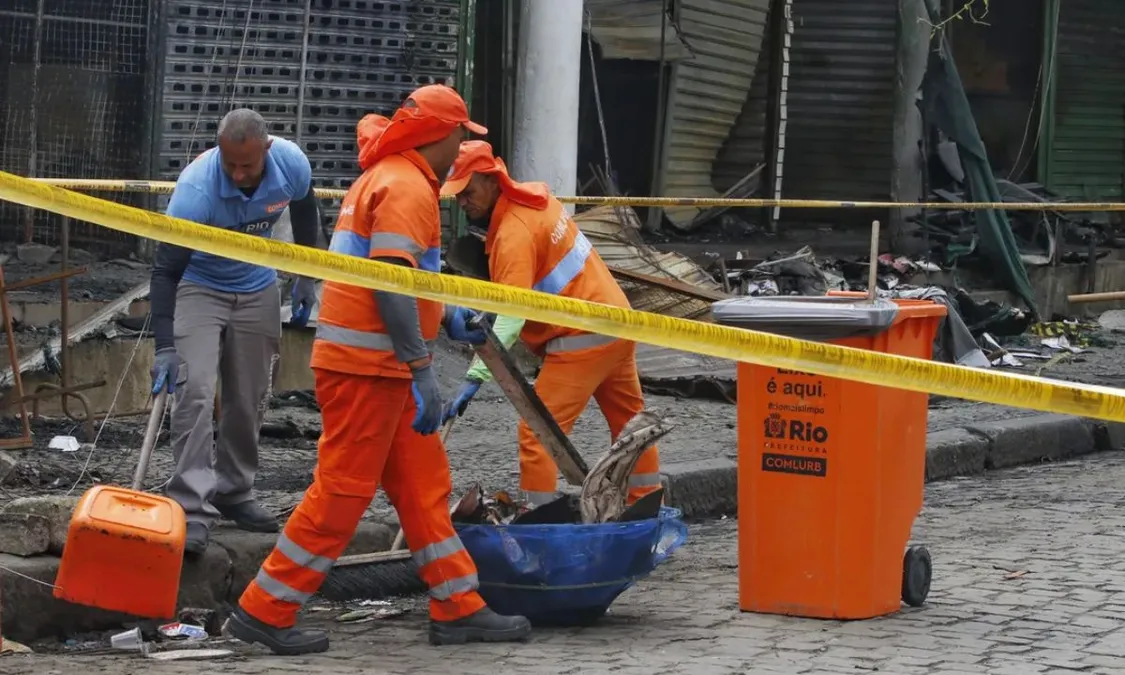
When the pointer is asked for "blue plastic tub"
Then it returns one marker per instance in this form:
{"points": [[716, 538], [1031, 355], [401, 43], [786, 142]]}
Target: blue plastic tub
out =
{"points": [[565, 575]]}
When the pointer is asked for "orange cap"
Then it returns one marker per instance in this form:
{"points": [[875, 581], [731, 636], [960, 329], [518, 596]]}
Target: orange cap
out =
{"points": [[428, 115], [442, 102], [477, 157]]}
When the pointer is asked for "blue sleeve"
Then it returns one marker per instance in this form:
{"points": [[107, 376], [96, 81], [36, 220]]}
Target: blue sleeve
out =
{"points": [[189, 202], [295, 164], [302, 175]]}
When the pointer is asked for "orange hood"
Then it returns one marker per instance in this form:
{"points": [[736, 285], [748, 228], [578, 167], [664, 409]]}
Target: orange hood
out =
{"points": [[477, 157]]}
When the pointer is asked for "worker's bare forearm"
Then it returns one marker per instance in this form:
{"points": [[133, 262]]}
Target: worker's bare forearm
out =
{"points": [[400, 316], [167, 270]]}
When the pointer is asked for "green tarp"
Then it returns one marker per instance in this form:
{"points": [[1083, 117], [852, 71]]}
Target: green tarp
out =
{"points": [[945, 106]]}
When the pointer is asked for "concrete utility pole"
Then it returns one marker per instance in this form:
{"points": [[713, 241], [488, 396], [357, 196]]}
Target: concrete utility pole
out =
{"points": [[548, 70]]}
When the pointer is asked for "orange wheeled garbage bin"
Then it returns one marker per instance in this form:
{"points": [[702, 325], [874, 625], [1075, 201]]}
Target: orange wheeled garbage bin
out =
{"points": [[831, 472]]}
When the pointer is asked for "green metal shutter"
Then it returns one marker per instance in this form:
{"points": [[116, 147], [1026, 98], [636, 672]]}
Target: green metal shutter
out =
{"points": [[1086, 147]]}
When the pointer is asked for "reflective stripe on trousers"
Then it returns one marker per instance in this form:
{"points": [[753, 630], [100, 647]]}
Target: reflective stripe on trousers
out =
{"points": [[360, 339], [436, 552], [573, 343], [644, 480], [302, 558], [534, 499]]}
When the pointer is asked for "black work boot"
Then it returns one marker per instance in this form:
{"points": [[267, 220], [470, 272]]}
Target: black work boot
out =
{"points": [[249, 516], [483, 626], [198, 536], [282, 641]]}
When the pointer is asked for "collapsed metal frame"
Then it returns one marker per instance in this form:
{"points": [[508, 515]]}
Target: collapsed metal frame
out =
{"points": [[64, 389]]}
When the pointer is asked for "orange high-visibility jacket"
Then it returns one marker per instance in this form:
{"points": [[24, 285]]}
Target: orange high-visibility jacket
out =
{"points": [[545, 251], [391, 211]]}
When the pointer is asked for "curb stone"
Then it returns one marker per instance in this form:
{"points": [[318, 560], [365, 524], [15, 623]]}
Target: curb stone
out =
{"points": [[29, 611], [709, 488]]}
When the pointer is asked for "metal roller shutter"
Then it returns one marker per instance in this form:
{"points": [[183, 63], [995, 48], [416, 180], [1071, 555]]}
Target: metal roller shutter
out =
{"points": [[708, 92], [841, 101], [1086, 153]]}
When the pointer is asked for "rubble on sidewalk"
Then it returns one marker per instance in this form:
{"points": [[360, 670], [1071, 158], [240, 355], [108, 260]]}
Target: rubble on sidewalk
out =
{"points": [[54, 511], [12, 647], [24, 534], [952, 233], [602, 498], [8, 464]]}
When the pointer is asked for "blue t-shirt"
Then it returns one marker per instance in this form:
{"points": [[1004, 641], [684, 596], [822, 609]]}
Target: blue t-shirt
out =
{"points": [[205, 194]]}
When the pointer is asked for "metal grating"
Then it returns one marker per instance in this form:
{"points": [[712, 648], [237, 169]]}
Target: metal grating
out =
{"points": [[73, 104], [841, 101], [708, 92], [363, 56], [1087, 153]]}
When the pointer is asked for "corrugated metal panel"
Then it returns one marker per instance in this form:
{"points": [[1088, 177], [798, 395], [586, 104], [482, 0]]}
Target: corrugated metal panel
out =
{"points": [[630, 29], [748, 142], [363, 56], [1087, 157], [622, 248], [841, 100], [708, 92]]}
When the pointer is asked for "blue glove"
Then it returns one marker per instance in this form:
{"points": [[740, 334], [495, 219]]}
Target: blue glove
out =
{"points": [[165, 370], [304, 297], [427, 398], [463, 325], [456, 407]]}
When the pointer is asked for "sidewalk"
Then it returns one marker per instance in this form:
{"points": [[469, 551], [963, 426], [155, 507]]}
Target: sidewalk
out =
{"points": [[698, 462], [1028, 566]]}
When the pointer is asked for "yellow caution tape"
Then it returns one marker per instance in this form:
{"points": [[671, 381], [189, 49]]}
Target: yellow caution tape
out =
{"points": [[704, 338], [165, 187]]}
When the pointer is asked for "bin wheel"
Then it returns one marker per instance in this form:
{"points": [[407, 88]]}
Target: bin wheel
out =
{"points": [[917, 572]]}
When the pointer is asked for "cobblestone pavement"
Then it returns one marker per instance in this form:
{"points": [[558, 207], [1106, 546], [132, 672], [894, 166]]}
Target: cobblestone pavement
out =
{"points": [[482, 447], [1061, 526]]}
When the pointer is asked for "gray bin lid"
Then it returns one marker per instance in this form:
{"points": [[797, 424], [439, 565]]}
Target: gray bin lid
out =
{"points": [[818, 318]]}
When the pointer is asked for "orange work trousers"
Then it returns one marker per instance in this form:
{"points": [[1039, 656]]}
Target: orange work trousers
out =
{"points": [[367, 441], [566, 382]]}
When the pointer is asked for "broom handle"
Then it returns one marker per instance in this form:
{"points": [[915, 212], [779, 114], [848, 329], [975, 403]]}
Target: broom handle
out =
{"points": [[151, 431], [873, 270], [400, 538]]}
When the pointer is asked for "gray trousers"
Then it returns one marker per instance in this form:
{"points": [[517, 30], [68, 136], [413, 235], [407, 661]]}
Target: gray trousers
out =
{"points": [[235, 337]]}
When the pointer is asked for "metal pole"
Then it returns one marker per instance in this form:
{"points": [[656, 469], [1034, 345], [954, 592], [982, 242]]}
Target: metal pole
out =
{"points": [[652, 221], [299, 135], [64, 308], [33, 137], [509, 68]]}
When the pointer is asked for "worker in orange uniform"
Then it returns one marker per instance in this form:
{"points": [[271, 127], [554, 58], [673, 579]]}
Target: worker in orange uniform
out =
{"points": [[533, 243], [379, 396]]}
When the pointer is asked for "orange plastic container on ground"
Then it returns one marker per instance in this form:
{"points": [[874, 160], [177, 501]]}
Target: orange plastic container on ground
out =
{"points": [[124, 552], [831, 472]]}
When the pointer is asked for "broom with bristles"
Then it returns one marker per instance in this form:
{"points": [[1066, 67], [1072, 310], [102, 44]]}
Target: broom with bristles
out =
{"points": [[375, 576]]}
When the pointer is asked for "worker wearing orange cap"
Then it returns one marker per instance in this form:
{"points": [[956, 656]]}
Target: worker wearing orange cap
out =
{"points": [[533, 243], [379, 396]]}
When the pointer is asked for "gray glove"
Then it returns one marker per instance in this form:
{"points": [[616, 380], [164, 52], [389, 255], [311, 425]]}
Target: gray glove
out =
{"points": [[427, 398], [165, 370], [303, 299]]}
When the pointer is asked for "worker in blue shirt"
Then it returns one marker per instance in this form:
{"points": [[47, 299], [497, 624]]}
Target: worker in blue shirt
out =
{"points": [[216, 317]]}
